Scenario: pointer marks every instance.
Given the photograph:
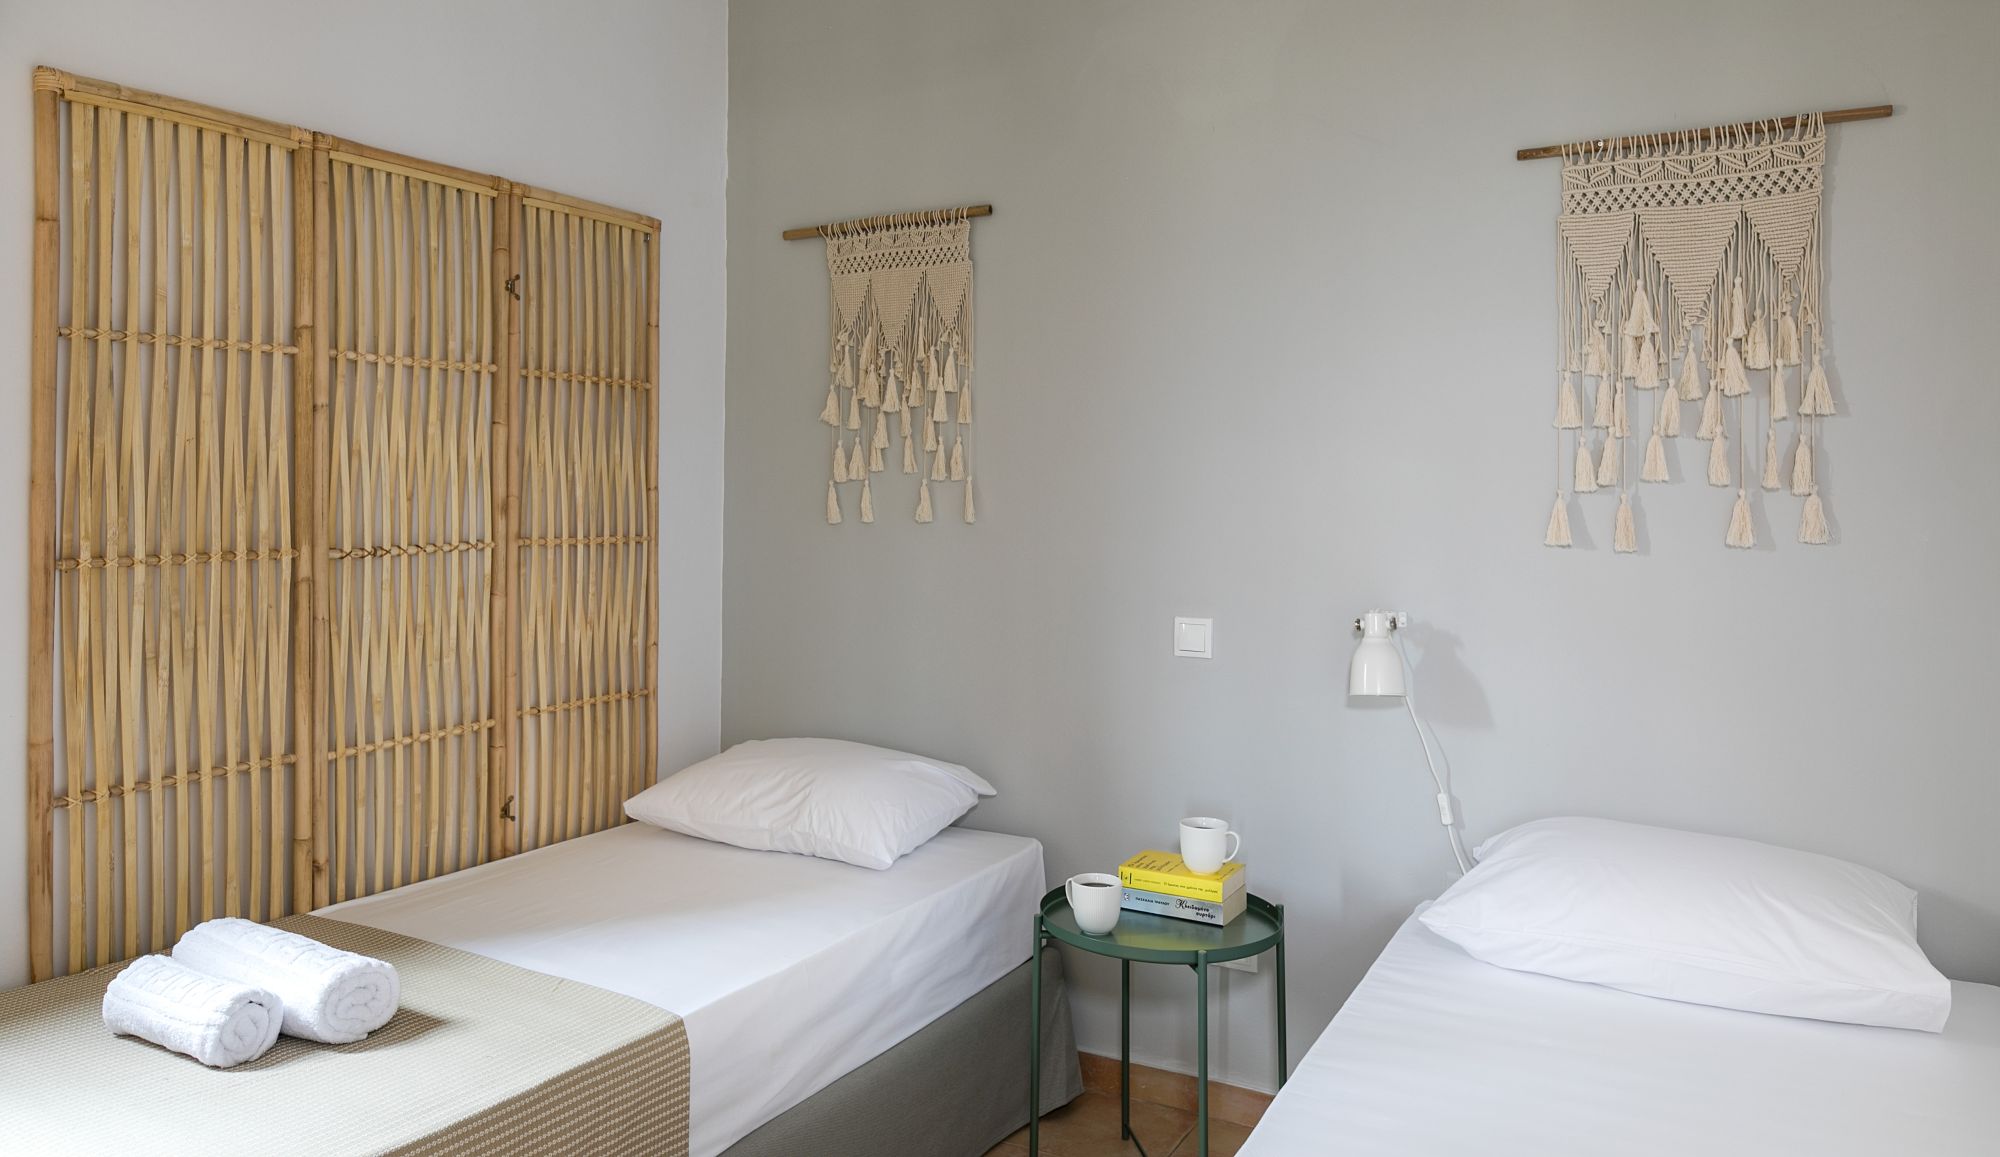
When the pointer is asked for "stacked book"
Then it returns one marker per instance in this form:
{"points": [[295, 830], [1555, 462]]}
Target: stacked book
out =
{"points": [[1160, 883]]}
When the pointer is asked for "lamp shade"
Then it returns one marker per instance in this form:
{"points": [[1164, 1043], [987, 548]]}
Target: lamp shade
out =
{"points": [[1377, 667]]}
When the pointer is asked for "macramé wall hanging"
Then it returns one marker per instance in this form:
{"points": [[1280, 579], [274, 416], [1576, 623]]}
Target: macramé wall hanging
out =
{"points": [[900, 353], [1687, 262]]}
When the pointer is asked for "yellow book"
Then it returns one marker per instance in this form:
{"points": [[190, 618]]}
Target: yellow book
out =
{"points": [[1165, 872]]}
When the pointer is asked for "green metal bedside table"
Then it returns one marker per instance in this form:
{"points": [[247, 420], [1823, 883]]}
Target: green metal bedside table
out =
{"points": [[1151, 939]]}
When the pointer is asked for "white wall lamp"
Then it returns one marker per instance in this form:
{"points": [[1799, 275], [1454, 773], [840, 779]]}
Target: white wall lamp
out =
{"points": [[1380, 669]]}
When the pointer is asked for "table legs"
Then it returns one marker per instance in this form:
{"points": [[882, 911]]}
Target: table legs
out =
{"points": [[1201, 1049], [1035, 1044], [1124, 1049], [1281, 1008]]}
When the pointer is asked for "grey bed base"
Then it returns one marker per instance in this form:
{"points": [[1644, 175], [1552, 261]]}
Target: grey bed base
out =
{"points": [[954, 1089]]}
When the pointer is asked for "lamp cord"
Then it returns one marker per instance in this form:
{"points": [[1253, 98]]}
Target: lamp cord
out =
{"points": [[1447, 806]]}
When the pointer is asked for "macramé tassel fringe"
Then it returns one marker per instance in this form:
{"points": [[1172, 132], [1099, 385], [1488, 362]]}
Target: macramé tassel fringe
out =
{"points": [[832, 505], [1771, 480], [1711, 413], [1611, 467], [965, 404], [940, 413], [1803, 482], [958, 459], [1648, 377], [1788, 340], [839, 462], [1621, 422], [881, 439], [909, 455], [1718, 461], [1667, 423], [1596, 358], [867, 503], [924, 502], [937, 466], [874, 460], [831, 413], [1779, 413], [857, 466], [930, 439], [951, 373], [1690, 383], [1742, 532], [1602, 418], [1558, 524], [1757, 349], [1569, 416], [1586, 471], [1624, 539], [903, 418], [971, 515], [892, 398], [1656, 461], [854, 410], [1735, 382], [1812, 521], [1817, 399]]}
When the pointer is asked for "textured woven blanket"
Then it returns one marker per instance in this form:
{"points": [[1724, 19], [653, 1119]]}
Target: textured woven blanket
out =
{"points": [[483, 1057]]}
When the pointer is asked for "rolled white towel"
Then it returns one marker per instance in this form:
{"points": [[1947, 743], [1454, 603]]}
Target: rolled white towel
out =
{"points": [[220, 1023], [330, 995]]}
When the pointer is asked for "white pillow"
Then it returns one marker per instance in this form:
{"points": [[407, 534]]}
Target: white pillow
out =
{"points": [[1704, 919], [817, 797]]}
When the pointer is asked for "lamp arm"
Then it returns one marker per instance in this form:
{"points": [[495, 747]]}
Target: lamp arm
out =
{"points": [[1447, 805]]}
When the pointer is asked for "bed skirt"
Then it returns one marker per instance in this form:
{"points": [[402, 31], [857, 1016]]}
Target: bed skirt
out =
{"points": [[955, 1088]]}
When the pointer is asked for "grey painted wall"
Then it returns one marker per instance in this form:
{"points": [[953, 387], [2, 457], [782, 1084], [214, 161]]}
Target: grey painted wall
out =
{"points": [[1265, 324], [549, 94]]}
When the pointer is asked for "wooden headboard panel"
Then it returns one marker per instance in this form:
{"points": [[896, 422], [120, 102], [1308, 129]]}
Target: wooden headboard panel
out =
{"points": [[342, 519]]}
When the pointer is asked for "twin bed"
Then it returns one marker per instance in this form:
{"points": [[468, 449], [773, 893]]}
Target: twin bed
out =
{"points": [[816, 998], [1437, 1054]]}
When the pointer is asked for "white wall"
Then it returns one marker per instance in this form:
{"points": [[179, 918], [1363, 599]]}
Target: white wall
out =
{"points": [[621, 101], [1265, 325]]}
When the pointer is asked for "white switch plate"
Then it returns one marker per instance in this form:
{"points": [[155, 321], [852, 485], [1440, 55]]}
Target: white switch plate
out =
{"points": [[1194, 638]]}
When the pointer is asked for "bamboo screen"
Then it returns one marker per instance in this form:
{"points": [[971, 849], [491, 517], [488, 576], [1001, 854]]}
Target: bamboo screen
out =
{"points": [[406, 323], [274, 658], [585, 510]]}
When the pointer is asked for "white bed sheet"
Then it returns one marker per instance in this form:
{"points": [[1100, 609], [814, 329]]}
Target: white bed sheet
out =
{"points": [[789, 971], [1439, 1054]]}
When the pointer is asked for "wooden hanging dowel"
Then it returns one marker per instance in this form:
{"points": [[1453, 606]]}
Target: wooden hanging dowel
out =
{"points": [[1834, 117], [887, 220]]}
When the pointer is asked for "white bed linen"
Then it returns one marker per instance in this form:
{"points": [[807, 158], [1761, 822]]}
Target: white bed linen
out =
{"points": [[1439, 1054], [789, 971]]}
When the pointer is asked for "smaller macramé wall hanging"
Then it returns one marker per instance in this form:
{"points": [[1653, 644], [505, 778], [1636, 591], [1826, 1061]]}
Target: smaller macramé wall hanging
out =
{"points": [[900, 358], [1688, 268]]}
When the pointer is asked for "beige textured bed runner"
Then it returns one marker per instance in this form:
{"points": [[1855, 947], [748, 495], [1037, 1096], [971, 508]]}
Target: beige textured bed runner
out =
{"points": [[482, 1058]]}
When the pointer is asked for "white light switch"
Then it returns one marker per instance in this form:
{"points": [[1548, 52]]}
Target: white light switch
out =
{"points": [[1194, 638]]}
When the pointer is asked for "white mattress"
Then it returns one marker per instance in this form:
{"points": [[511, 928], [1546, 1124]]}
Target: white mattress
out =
{"points": [[1438, 1054], [789, 971]]}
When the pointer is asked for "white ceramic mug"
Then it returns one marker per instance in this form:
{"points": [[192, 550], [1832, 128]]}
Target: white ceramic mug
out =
{"points": [[1207, 844], [1094, 898]]}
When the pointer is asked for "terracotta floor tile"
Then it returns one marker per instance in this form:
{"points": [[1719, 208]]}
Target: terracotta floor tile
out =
{"points": [[1224, 1139], [1088, 1127]]}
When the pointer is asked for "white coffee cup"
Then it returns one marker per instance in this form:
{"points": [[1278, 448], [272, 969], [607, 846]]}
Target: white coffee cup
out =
{"points": [[1094, 898], [1207, 844]]}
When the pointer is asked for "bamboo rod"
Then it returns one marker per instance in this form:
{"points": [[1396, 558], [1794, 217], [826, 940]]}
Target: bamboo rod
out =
{"points": [[650, 466], [564, 204], [504, 684], [42, 341], [309, 431], [234, 418], [160, 508], [180, 615], [98, 603], [889, 221], [1832, 117], [129, 522], [76, 731], [118, 98]]}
